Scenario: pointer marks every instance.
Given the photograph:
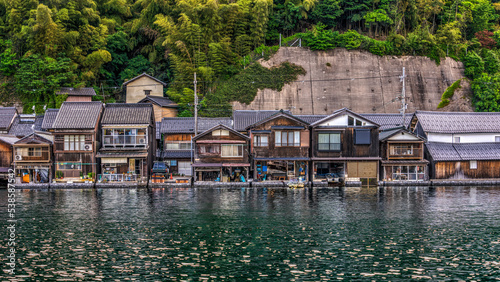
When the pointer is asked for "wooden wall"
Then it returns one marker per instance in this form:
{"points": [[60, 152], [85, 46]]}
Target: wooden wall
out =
{"points": [[218, 158], [79, 99], [273, 151], [348, 148], [178, 137], [485, 169], [5, 154]]}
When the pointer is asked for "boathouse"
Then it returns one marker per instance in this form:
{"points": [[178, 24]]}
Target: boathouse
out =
{"points": [[460, 145], [345, 145], [76, 134], [33, 159], [176, 146], [127, 143], [402, 155], [221, 154], [280, 147]]}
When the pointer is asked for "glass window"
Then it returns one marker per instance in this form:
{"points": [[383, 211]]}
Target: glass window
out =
{"points": [[260, 141], [232, 151], [457, 139], [277, 138], [296, 139], [287, 138], [497, 139], [220, 132], [329, 142], [350, 120], [362, 137], [399, 150], [473, 164]]}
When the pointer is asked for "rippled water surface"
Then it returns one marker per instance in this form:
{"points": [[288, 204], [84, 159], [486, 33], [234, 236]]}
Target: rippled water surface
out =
{"points": [[394, 234]]}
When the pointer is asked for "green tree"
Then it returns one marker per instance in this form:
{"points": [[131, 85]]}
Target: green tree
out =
{"points": [[486, 89]]}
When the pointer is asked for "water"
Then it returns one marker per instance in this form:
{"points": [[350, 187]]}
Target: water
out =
{"points": [[394, 234]]}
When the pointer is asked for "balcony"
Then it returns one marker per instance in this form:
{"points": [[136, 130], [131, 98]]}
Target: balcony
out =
{"points": [[27, 157], [404, 153], [123, 141]]}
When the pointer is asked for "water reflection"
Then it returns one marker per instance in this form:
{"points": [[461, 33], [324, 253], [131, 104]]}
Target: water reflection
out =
{"points": [[394, 233]]}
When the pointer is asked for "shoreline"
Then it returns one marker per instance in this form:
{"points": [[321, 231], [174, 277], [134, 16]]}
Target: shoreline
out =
{"points": [[251, 184]]}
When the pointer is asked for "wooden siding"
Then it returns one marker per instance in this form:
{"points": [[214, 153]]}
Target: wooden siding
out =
{"points": [[418, 150], [5, 154], [273, 151], [447, 170], [79, 99], [362, 169], [217, 158], [178, 137], [161, 112], [348, 148]]}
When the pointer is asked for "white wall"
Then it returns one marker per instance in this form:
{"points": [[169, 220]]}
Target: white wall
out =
{"points": [[464, 137]]}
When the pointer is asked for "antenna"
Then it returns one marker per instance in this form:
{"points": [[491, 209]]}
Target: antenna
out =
{"points": [[195, 107], [403, 97]]}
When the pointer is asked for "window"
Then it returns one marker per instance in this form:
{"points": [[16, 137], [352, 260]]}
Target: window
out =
{"points": [[398, 150], [497, 139], [186, 145], [413, 173], [220, 132], [457, 139], [362, 137], [74, 142], [69, 166], [287, 138], [329, 142], [34, 152], [232, 151], [171, 162], [260, 141], [353, 121], [473, 164], [124, 137], [208, 149], [147, 92]]}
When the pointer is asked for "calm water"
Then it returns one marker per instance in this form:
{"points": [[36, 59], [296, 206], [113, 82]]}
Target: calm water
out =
{"points": [[394, 234]]}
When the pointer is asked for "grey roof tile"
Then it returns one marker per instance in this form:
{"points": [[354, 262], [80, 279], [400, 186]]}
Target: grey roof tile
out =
{"points": [[160, 101], [6, 116], [387, 121], [243, 118], [464, 152], [86, 91], [177, 154], [22, 127], [186, 124], [127, 114], [78, 115], [459, 122], [49, 118], [9, 139], [310, 118]]}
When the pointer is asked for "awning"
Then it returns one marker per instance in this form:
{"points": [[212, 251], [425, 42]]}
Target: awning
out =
{"points": [[207, 165], [114, 160], [221, 141], [121, 155]]}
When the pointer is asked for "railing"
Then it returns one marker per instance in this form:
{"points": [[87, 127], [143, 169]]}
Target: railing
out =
{"points": [[124, 140], [44, 156], [118, 177], [405, 153]]}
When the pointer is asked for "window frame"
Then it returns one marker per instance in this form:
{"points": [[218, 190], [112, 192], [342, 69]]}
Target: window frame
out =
{"points": [[329, 142], [356, 142], [258, 142], [287, 135], [239, 147], [473, 164]]}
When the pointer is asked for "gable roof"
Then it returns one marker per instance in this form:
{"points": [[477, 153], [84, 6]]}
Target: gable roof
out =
{"points": [[278, 114], [463, 151], [33, 137], [7, 115], [244, 118], [458, 122], [49, 118], [70, 91], [186, 124], [386, 134], [220, 126], [339, 113], [23, 125], [160, 101], [387, 121], [127, 114], [78, 115], [310, 118], [146, 75]]}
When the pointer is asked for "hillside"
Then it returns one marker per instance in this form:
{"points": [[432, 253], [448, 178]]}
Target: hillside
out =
{"points": [[360, 81]]}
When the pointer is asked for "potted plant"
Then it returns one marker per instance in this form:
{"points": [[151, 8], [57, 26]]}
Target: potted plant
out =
{"points": [[59, 174]]}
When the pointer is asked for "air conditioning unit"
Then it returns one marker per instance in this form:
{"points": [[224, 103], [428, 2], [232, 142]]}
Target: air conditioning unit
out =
{"points": [[142, 141], [19, 158], [87, 147]]}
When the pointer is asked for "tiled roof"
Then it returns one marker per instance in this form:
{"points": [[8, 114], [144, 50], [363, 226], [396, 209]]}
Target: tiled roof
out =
{"points": [[186, 124], [146, 75], [9, 139], [464, 152], [22, 127], [390, 132], [243, 118], [387, 121], [78, 115], [221, 126], [127, 114], [459, 122], [86, 91], [34, 138], [310, 118], [49, 118], [177, 154], [38, 123], [280, 113], [160, 101], [340, 112], [6, 116]]}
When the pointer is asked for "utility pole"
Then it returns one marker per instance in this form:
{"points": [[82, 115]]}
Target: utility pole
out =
{"points": [[403, 96], [195, 107]]}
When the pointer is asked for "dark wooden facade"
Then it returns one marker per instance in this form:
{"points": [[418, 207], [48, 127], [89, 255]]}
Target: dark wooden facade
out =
{"points": [[280, 148], [348, 148], [221, 154], [33, 159], [73, 163], [176, 153], [5, 154]]}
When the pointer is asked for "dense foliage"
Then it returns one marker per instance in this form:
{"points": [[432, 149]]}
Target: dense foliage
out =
{"points": [[102, 43]]}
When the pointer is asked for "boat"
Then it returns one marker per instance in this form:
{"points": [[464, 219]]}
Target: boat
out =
{"points": [[296, 184]]}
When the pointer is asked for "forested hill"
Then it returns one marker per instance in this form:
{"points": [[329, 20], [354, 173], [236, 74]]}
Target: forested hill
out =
{"points": [[49, 44]]}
